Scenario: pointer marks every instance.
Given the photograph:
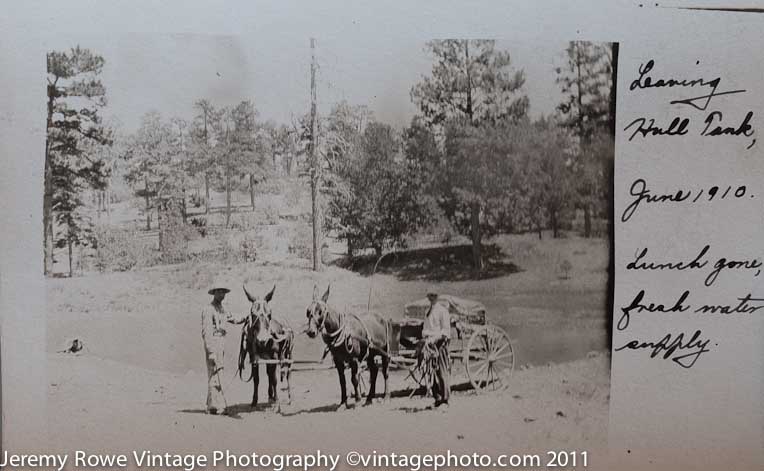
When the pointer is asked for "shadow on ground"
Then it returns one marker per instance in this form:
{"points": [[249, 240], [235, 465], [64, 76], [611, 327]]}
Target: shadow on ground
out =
{"points": [[236, 411], [452, 263]]}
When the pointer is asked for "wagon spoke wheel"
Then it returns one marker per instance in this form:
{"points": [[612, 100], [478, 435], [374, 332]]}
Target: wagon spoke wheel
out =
{"points": [[489, 358]]}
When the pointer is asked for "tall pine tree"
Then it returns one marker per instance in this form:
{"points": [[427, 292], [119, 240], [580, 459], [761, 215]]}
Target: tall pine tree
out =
{"points": [[75, 97], [586, 81], [473, 83]]}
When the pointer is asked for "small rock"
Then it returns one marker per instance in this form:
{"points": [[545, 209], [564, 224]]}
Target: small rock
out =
{"points": [[528, 420], [517, 396], [460, 437], [560, 413]]}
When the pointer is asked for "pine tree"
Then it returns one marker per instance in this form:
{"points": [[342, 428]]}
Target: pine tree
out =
{"points": [[75, 97], [153, 169], [587, 82], [471, 85]]}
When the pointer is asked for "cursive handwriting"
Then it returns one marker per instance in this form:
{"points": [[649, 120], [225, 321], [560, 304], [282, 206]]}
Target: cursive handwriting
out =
{"points": [[638, 306], [639, 264], [699, 102], [714, 129], [743, 307], [724, 264], [753, 265], [643, 195], [678, 127], [670, 345]]}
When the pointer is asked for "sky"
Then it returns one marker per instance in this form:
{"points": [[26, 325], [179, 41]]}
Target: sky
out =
{"points": [[168, 73]]}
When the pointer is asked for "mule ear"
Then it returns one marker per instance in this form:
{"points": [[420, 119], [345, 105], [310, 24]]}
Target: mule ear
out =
{"points": [[315, 292], [269, 296], [249, 296], [325, 297]]}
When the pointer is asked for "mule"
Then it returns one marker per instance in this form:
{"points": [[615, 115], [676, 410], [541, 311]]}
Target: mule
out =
{"points": [[351, 339], [263, 337]]}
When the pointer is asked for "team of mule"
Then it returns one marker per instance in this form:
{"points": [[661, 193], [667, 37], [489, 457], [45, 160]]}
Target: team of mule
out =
{"points": [[421, 341], [350, 338]]}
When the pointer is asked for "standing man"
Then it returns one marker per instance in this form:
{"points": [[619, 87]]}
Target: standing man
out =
{"points": [[437, 332], [213, 336]]}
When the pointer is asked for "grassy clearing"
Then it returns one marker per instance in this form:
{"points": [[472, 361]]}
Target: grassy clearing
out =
{"points": [[158, 307]]}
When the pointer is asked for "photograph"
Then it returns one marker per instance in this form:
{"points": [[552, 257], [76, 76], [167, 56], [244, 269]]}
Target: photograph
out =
{"points": [[333, 243]]}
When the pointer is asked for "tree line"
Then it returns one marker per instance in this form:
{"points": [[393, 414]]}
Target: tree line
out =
{"points": [[471, 154]]}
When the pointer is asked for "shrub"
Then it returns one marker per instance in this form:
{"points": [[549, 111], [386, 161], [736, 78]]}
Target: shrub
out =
{"points": [[250, 246], [200, 224], [301, 243], [197, 201], [271, 214], [565, 267], [122, 250]]}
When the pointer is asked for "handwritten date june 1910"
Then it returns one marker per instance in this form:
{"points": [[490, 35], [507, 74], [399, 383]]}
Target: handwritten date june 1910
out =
{"points": [[641, 195]]}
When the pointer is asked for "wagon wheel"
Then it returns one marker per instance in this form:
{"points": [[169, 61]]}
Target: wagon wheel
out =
{"points": [[489, 358]]}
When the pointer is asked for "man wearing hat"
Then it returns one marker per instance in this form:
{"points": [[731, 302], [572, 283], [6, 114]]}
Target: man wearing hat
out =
{"points": [[437, 332], [213, 336]]}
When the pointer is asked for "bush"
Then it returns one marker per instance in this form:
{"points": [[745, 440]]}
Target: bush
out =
{"points": [[122, 250], [271, 214], [250, 246], [200, 224], [197, 201], [565, 268], [301, 243]]}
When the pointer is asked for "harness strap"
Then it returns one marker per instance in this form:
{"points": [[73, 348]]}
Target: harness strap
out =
{"points": [[341, 336], [369, 343]]}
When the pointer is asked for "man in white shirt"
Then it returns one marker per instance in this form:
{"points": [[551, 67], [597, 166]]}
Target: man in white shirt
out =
{"points": [[214, 318], [436, 331]]}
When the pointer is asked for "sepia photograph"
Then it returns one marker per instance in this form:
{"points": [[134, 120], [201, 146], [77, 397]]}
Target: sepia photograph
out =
{"points": [[336, 243]]}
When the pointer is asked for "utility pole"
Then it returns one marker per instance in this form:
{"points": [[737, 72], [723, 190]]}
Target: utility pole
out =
{"points": [[315, 168]]}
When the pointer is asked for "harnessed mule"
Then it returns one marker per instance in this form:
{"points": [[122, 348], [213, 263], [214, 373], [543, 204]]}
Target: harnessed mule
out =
{"points": [[351, 339], [263, 337]]}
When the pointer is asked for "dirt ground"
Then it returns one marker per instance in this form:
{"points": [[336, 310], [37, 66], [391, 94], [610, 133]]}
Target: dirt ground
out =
{"points": [[140, 382]]}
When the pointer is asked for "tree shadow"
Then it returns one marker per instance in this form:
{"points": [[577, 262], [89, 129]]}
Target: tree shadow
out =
{"points": [[449, 263]]}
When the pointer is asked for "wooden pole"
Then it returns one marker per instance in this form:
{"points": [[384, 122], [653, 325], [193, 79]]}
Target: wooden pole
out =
{"points": [[315, 174]]}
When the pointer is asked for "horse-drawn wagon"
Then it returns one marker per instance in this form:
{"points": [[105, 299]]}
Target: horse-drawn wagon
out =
{"points": [[484, 349], [358, 340]]}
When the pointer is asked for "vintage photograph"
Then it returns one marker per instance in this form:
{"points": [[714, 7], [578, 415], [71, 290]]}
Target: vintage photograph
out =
{"points": [[324, 243]]}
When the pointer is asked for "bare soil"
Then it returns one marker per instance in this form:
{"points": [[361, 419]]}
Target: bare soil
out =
{"points": [[140, 381]]}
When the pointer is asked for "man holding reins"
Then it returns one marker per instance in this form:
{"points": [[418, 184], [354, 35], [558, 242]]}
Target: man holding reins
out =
{"points": [[213, 336], [436, 332]]}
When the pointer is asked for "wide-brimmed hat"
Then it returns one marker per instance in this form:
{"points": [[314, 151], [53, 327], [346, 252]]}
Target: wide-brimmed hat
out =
{"points": [[215, 290], [218, 284]]}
